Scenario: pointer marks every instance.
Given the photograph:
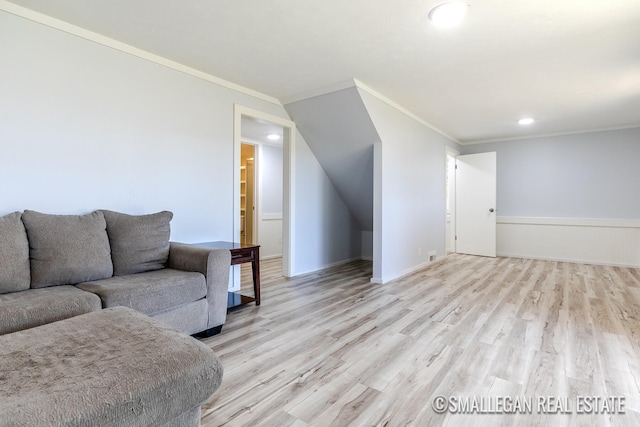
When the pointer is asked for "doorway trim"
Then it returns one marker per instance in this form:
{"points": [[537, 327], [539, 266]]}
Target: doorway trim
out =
{"points": [[288, 180], [450, 217]]}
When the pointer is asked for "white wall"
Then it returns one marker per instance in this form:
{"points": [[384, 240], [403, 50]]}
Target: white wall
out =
{"points": [[84, 126], [572, 197], [591, 241], [340, 134], [409, 199], [591, 175], [328, 234], [270, 206], [270, 159]]}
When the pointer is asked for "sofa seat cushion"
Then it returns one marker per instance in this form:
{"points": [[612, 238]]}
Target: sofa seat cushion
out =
{"points": [[114, 367], [35, 307], [67, 249], [14, 254], [149, 292]]}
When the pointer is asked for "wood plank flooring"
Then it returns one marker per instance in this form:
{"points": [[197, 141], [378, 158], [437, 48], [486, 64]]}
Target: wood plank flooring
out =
{"points": [[332, 349]]}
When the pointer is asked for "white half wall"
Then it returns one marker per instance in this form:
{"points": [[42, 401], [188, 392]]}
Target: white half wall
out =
{"points": [[270, 236], [591, 241], [569, 198]]}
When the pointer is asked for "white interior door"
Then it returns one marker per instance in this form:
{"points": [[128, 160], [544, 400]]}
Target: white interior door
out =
{"points": [[475, 204]]}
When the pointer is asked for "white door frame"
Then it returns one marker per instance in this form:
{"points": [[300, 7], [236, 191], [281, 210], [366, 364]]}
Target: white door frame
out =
{"points": [[451, 184], [288, 178]]}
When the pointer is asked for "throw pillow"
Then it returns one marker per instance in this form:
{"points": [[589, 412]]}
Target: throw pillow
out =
{"points": [[139, 243], [14, 254], [67, 249]]}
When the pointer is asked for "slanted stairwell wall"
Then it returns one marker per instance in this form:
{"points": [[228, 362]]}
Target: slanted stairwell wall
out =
{"points": [[388, 168]]}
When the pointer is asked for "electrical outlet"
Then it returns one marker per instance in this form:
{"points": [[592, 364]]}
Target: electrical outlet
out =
{"points": [[419, 251], [279, 239]]}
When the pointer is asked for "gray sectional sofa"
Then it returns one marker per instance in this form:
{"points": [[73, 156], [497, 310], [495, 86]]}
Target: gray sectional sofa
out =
{"points": [[54, 267], [112, 367]]}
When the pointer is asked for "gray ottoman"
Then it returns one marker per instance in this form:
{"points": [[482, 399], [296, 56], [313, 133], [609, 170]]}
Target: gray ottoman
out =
{"points": [[113, 367]]}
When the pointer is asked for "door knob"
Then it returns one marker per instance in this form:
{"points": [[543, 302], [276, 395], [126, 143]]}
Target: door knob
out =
{"points": [[491, 210]]}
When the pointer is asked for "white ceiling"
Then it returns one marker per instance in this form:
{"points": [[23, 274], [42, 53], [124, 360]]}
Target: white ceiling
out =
{"points": [[574, 65], [256, 131]]}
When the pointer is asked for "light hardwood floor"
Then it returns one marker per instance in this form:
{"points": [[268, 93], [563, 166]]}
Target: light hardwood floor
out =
{"points": [[332, 349]]}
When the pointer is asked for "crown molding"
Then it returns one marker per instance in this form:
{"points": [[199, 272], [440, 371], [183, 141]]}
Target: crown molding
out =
{"points": [[68, 28], [400, 108], [359, 85], [319, 92], [549, 135]]}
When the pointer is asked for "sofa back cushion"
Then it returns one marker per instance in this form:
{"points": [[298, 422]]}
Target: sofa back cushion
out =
{"points": [[139, 243], [67, 249], [14, 254]]}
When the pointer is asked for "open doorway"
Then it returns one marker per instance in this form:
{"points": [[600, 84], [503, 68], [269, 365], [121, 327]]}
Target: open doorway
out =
{"points": [[261, 187], [285, 238], [247, 194]]}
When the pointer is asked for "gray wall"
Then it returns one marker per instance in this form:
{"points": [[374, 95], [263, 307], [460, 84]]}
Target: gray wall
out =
{"points": [[592, 175], [339, 131], [84, 126], [271, 180], [409, 205], [389, 169]]}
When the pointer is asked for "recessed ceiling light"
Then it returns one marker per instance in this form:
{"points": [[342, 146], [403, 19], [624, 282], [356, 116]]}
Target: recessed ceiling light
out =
{"points": [[525, 121], [447, 15], [273, 136]]}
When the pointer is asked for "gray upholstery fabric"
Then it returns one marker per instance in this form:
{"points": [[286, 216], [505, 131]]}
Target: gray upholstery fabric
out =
{"points": [[35, 307], [113, 367], [67, 249], [215, 264], [139, 243], [149, 292], [189, 318], [188, 419], [14, 254]]}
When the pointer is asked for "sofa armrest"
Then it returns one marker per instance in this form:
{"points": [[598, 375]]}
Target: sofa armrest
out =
{"points": [[215, 264]]}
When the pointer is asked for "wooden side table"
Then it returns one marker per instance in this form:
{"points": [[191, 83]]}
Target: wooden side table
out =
{"points": [[240, 253]]}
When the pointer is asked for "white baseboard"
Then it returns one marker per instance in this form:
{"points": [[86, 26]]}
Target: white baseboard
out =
{"points": [[334, 264], [577, 261], [408, 271], [590, 241]]}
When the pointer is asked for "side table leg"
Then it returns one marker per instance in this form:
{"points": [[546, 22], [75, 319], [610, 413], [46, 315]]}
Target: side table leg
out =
{"points": [[255, 269]]}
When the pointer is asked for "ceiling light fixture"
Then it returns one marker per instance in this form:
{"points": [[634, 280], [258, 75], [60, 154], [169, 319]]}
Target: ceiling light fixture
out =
{"points": [[525, 121], [273, 137], [447, 15]]}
